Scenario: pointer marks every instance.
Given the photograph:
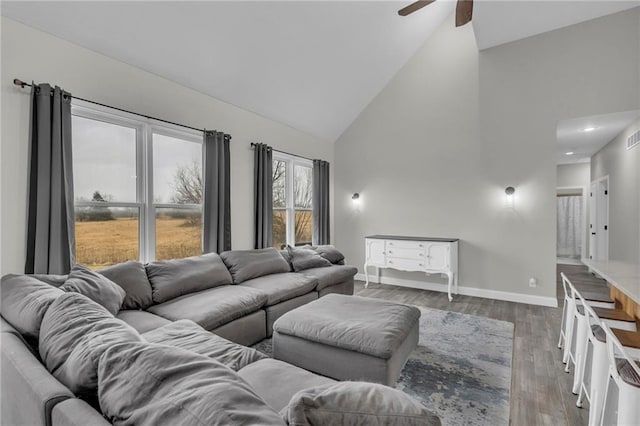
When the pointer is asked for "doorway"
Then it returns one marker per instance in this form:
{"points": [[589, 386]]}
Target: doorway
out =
{"points": [[599, 219], [570, 216]]}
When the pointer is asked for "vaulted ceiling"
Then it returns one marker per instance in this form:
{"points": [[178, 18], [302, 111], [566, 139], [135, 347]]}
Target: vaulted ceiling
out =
{"points": [[311, 65]]}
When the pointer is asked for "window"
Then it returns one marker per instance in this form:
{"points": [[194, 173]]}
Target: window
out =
{"points": [[138, 189], [292, 196]]}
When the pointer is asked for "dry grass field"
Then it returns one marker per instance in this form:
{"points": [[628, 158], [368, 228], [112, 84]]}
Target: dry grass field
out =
{"points": [[104, 243]]}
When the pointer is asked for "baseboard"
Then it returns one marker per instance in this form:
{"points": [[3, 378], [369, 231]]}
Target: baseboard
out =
{"points": [[467, 291]]}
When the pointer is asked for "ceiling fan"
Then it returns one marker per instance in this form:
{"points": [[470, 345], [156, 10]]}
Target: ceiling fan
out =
{"points": [[464, 10]]}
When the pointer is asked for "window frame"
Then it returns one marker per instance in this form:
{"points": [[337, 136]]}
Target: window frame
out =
{"points": [[291, 161], [145, 129]]}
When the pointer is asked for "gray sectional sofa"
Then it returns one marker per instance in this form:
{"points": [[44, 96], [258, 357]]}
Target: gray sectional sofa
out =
{"points": [[166, 343]]}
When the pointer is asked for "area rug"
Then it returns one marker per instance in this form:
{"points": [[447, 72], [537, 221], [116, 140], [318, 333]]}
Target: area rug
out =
{"points": [[461, 369]]}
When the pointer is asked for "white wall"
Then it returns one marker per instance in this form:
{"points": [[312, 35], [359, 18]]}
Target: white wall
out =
{"points": [[573, 175], [432, 153], [29, 54], [623, 168]]}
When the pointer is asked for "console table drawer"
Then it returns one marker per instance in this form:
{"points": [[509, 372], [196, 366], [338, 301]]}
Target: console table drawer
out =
{"points": [[418, 245], [405, 264], [406, 253]]}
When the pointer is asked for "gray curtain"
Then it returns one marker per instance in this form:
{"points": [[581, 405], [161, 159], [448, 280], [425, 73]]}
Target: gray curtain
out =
{"points": [[263, 195], [50, 222], [321, 202], [216, 205]]}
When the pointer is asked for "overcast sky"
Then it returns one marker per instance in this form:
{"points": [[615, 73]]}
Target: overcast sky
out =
{"points": [[104, 159]]}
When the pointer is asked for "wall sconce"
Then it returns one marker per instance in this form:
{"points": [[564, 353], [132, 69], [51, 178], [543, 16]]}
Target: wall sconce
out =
{"points": [[355, 197], [509, 196]]}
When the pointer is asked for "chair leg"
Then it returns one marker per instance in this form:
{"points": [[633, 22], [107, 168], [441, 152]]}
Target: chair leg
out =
{"points": [[562, 324]]}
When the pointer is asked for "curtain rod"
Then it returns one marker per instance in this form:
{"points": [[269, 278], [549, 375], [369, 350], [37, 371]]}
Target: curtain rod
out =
{"points": [[284, 152], [22, 84]]}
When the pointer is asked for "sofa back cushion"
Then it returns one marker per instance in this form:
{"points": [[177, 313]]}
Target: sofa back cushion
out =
{"points": [[148, 384], [96, 287], [330, 253], [305, 258], [25, 301], [356, 403], [52, 279], [132, 277], [247, 264], [186, 334], [75, 331], [173, 278]]}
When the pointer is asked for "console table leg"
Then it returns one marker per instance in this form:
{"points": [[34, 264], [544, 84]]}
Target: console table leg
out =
{"points": [[378, 274], [366, 275], [450, 277]]}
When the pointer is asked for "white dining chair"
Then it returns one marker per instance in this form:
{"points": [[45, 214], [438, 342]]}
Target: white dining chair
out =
{"points": [[622, 391]]}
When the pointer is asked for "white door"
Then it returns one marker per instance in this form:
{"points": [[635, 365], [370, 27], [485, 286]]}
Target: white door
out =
{"points": [[592, 222], [602, 233], [375, 252], [599, 219]]}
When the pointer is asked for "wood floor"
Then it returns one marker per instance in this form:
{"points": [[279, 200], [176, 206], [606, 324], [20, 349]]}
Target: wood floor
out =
{"points": [[540, 390]]}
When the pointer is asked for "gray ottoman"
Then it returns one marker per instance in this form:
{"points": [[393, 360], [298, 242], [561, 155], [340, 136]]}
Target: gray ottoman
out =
{"points": [[348, 337]]}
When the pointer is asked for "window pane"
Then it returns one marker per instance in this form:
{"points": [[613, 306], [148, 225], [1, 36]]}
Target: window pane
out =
{"points": [[106, 235], [104, 160], [279, 187], [302, 186], [279, 229], [177, 170], [304, 227], [178, 233]]}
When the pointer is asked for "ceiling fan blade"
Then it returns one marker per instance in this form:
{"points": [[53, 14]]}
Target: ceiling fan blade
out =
{"points": [[464, 12], [413, 7]]}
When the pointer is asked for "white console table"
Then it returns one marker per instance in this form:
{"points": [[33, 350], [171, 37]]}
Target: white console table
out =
{"points": [[428, 255]]}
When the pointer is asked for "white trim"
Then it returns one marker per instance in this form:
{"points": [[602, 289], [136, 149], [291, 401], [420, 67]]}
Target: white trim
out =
{"points": [[468, 291]]}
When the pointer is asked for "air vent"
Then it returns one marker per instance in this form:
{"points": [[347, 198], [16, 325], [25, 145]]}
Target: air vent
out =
{"points": [[633, 140]]}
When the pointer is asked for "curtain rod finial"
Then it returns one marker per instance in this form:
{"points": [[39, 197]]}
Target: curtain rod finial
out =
{"points": [[19, 82]]}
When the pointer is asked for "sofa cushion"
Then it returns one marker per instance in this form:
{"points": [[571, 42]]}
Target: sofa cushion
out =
{"points": [[306, 258], [142, 321], [281, 287], [356, 403], [173, 278], [96, 287], [276, 382], [332, 275], [247, 264], [330, 253], [147, 384], [188, 335], [74, 333], [52, 279], [132, 277], [214, 307], [25, 301]]}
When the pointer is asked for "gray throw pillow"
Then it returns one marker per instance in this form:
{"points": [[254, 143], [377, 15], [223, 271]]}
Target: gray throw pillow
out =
{"points": [[132, 277], [306, 258], [247, 264], [96, 287], [147, 384], [356, 403], [74, 333], [186, 334], [25, 301], [330, 253], [173, 278]]}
